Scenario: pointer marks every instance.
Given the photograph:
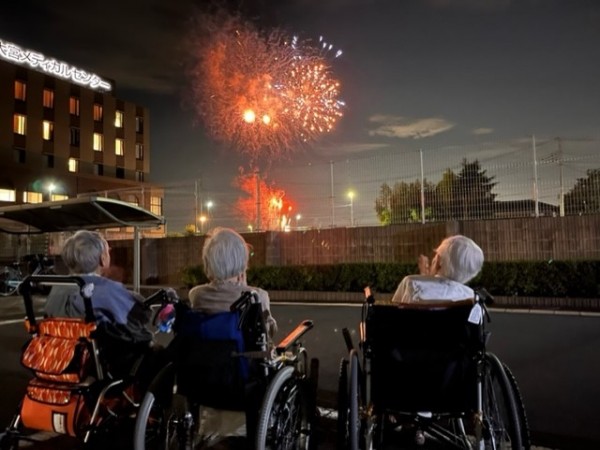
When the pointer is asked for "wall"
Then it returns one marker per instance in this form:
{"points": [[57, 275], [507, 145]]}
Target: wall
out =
{"points": [[544, 238]]}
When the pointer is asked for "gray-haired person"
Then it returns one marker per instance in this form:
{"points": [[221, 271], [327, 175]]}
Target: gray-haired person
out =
{"points": [[457, 260], [225, 258]]}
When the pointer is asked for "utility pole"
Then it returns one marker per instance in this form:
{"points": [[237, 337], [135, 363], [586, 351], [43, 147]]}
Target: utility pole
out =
{"points": [[258, 208], [561, 198], [535, 179], [332, 197], [422, 188]]}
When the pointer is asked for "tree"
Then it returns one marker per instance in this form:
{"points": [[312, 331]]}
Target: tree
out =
{"points": [[584, 197], [472, 192], [443, 198], [402, 203]]}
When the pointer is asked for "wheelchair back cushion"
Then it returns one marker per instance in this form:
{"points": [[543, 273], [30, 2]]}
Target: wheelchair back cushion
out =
{"points": [[60, 351], [423, 359], [209, 370]]}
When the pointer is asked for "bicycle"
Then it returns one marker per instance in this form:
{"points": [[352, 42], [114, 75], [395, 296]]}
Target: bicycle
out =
{"points": [[12, 275]]}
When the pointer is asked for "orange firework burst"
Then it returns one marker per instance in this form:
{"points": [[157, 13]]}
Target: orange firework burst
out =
{"points": [[262, 93]]}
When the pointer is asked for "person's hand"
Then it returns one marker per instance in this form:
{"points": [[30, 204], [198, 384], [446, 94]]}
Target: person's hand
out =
{"points": [[424, 267]]}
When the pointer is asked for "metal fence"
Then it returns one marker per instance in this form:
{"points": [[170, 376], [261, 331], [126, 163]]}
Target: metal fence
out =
{"points": [[527, 177]]}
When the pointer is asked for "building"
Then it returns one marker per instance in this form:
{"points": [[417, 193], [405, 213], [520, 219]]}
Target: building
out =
{"points": [[64, 133]]}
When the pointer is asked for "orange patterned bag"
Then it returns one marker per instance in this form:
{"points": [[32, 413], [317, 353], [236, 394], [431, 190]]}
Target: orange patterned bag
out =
{"points": [[54, 408]]}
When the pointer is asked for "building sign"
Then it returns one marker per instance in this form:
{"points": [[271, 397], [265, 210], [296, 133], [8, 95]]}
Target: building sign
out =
{"points": [[15, 54]]}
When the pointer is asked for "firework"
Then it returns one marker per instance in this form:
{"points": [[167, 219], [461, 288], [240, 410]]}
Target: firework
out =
{"points": [[263, 93]]}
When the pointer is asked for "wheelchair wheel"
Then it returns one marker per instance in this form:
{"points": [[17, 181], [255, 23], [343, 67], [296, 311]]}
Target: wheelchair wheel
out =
{"points": [[163, 420], [342, 406], [501, 427], [285, 421], [525, 436], [354, 423]]}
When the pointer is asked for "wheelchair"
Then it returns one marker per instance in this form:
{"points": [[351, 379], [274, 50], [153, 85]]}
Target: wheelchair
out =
{"points": [[422, 378], [223, 361], [76, 389]]}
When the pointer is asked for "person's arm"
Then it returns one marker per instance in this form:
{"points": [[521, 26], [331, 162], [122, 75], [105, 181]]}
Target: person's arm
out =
{"points": [[424, 266]]}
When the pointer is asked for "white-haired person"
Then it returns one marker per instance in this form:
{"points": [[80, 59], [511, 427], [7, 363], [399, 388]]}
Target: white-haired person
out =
{"points": [[457, 261], [121, 314], [225, 258]]}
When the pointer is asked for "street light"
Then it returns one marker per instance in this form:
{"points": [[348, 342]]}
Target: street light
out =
{"points": [[202, 221], [298, 217], [351, 197], [51, 189]]}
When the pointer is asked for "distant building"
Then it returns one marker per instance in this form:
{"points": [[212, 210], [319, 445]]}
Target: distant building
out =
{"points": [[63, 134]]}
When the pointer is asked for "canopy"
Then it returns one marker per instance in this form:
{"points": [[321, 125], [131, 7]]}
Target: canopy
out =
{"points": [[80, 213], [75, 214]]}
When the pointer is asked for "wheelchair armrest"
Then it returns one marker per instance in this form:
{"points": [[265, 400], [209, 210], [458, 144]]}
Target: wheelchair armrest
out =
{"points": [[293, 337]]}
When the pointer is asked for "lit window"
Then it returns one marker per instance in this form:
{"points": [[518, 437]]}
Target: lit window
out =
{"points": [[74, 106], [73, 165], [139, 124], [119, 119], [7, 195], [97, 112], [75, 136], [139, 176], [156, 205], [48, 98], [58, 197], [48, 130], [20, 90], [139, 151], [32, 197], [98, 142], [19, 124], [119, 147]]}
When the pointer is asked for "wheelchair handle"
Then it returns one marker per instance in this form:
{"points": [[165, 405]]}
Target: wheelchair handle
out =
{"points": [[26, 287], [293, 337]]}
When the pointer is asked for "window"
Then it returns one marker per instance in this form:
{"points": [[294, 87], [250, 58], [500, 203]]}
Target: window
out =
{"points": [[73, 165], [32, 197], [139, 151], [119, 119], [139, 176], [20, 90], [48, 130], [19, 124], [58, 197], [119, 147], [74, 106], [98, 169], [7, 195], [75, 136], [48, 98], [120, 172], [156, 205], [19, 155], [139, 124], [98, 142], [97, 112], [50, 161]]}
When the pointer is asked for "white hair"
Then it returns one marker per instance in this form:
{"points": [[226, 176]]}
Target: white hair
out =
{"points": [[83, 251], [460, 258], [224, 255]]}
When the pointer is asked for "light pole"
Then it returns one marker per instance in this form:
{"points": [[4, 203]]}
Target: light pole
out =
{"points": [[51, 189], [209, 205], [202, 221], [351, 197], [298, 217]]}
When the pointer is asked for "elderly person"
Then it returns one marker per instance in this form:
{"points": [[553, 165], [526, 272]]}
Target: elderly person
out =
{"points": [[87, 254], [120, 313], [457, 260], [225, 258]]}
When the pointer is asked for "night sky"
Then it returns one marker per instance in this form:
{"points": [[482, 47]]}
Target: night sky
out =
{"points": [[436, 71]]}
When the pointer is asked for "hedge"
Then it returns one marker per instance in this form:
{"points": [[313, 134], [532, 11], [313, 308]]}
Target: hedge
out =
{"points": [[519, 278]]}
